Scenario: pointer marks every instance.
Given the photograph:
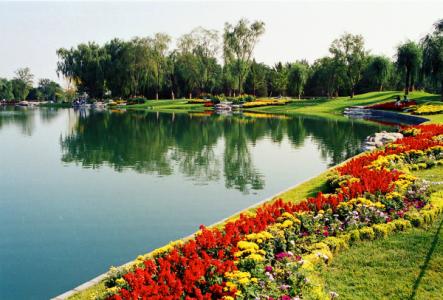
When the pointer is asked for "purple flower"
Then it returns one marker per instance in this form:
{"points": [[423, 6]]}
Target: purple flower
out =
{"points": [[268, 269]]}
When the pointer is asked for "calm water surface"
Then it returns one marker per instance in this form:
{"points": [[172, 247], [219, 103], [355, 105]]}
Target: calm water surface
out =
{"points": [[80, 191]]}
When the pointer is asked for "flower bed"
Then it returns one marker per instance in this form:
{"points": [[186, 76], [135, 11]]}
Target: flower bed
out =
{"points": [[272, 253], [264, 102], [429, 109], [393, 105]]}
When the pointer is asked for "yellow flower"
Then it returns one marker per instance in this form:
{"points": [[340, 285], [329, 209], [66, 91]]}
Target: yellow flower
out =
{"points": [[244, 245], [256, 257], [287, 223]]}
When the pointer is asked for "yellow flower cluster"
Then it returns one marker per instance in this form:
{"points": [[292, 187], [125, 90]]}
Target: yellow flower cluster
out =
{"points": [[357, 202], [236, 279], [250, 250], [160, 251], [259, 237], [387, 162], [429, 109]]}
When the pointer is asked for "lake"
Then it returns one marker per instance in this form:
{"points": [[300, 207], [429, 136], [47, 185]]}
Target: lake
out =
{"points": [[83, 190]]}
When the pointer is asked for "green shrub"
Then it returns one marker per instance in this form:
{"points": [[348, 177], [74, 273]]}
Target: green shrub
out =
{"points": [[336, 243], [354, 235], [402, 224], [367, 233]]}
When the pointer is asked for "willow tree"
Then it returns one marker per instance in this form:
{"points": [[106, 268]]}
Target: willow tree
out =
{"points": [[433, 55], [201, 46], [409, 58], [349, 50], [297, 78], [239, 42], [159, 46], [378, 71], [85, 67]]}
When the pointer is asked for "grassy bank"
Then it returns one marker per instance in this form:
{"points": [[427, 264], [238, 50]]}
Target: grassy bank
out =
{"points": [[337, 105], [167, 106], [407, 265]]}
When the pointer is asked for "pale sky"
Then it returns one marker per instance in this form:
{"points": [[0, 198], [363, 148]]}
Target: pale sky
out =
{"points": [[30, 32]]}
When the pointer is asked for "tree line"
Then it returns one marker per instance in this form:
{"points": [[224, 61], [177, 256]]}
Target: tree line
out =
{"points": [[21, 87], [206, 62]]}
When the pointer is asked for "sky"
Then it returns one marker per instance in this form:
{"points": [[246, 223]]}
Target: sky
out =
{"points": [[31, 32]]}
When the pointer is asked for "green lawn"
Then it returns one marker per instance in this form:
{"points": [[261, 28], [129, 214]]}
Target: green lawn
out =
{"points": [[407, 265], [336, 106], [167, 106]]}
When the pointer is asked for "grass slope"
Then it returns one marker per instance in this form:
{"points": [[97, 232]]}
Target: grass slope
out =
{"points": [[167, 106], [407, 265], [336, 106]]}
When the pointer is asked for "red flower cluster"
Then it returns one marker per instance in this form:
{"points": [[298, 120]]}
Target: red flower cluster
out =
{"points": [[393, 105], [195, 269]]}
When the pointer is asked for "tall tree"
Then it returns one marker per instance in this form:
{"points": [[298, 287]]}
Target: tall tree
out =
{"points": [[50, 90], [349, 50], [85, 66], [409, 58], [6, 91], [203, 44], [279, 79], [433, 55], [297, 78], [378, 71], [328, 77], [22, 83], [158, 54], [239, 42], [119, 61], [255, 82]]}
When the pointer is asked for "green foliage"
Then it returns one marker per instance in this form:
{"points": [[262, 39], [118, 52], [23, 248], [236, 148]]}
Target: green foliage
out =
{"points": [[297, 78], [349, 51], [409, 59], [6, 89], [238, 44], [432, 46]]}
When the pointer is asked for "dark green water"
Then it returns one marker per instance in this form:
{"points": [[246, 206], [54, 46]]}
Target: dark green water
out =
{"points": [[82, 191]]}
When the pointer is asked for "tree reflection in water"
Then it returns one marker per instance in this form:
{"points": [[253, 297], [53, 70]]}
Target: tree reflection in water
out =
{"points": [[166, 143]]}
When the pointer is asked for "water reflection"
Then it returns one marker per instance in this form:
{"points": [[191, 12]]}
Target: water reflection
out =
{"points": [[166, 143]]}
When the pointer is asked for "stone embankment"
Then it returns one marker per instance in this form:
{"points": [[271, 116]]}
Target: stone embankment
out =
{"points": [[379, 139]]}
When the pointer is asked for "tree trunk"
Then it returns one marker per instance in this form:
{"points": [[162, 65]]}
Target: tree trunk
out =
{"points": [[441, 90], [407, 82], [156, 95], [381, 88], [190, 95], [352, 92], [172, 95], [299, 96]]}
